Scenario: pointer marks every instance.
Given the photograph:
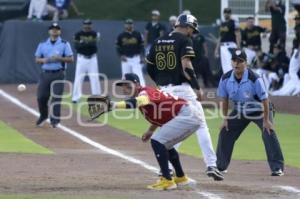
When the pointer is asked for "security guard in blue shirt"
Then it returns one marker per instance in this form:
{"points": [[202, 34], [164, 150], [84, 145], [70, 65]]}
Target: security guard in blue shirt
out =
{"points": [[247, 92], [52, 54]]}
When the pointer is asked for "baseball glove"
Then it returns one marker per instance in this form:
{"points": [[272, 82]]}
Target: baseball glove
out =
{"points": [[98, 105]]}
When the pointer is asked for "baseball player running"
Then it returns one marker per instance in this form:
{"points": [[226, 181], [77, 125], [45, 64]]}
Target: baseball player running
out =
{"points": [[87, 63], [130, 47], [176, 118], [169, 65], [230, 37]]}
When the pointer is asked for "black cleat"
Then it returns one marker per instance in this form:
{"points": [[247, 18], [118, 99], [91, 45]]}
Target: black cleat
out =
{"points": [[277, 172], [41, 121], [214, 173]]}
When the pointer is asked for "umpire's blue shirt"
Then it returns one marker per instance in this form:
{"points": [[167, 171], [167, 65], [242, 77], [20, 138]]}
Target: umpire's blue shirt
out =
{"points": [[246, 95], [59, 48]]}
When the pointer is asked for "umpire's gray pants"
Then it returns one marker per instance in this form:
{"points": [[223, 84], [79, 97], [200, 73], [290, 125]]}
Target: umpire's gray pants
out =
{"points": [[179, 128]]}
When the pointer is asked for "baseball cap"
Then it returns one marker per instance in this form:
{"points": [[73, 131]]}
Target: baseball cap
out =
{"points": [[227, 10], [54, 26], [128, 21], [155, 12], [238, 54], [172, 18], [129, 77], [87, 22]]}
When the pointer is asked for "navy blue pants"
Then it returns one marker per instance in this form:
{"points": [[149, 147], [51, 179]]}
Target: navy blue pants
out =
{"points": [[236, 126], [44, 93]]}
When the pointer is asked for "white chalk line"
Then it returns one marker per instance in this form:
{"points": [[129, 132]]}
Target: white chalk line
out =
{"points": [[96, 144], [290, 189]]}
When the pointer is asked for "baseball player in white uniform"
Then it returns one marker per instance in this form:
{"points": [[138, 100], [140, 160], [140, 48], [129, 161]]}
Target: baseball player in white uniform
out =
{"points": [[230, 38], [130, 47], [87, 64]]}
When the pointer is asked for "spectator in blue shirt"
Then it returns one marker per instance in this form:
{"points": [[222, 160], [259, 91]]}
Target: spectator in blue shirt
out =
{"points": [[52, 54], [248, 93]]}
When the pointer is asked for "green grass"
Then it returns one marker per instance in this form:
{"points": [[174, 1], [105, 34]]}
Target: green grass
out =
{"points": [[58, 197], [13, 141], [248, 147], [141, 9]]}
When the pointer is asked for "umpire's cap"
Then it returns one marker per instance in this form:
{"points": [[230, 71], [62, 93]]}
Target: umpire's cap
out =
{"points": [[129, 77], [54, 26], [238, 54], [187, 20]]}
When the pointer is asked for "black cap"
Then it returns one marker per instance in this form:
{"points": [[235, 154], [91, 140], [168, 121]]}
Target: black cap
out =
{"points": [[238, 54], [87, 22], [54, 26], [250, 17], [129, 77], [297, 17], [227, 10], [128, 21]]}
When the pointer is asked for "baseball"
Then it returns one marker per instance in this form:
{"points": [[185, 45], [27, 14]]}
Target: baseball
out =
{"points": [[21, 87]]}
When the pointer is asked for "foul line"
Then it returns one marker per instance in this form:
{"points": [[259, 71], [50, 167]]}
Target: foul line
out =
{"points": [[96, 144], [290, 189]]}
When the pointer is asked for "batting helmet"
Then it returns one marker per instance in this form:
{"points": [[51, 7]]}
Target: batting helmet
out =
{"points": [[185, 20]]}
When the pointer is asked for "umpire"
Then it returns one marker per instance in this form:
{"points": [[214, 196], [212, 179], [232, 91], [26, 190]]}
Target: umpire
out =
{"points": [[248, 93], [52, 54]]}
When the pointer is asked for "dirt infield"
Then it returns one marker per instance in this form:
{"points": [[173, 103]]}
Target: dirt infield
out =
{"points": [[77, 168]]}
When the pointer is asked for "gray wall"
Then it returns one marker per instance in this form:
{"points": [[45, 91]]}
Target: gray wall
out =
{"points": [[19, 39]]}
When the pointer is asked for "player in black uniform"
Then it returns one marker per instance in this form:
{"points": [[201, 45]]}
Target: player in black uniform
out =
{"points": [[230, 38], [170, 67], [201, 62], [153, 30], [130, 47], [251, 39], [278, 33], [86, 42]]}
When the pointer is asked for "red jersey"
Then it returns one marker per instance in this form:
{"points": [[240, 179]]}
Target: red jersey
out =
{"points": [[162, 108]]}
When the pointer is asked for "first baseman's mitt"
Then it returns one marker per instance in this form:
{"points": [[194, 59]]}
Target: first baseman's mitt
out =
{"points": [[98, 105]]}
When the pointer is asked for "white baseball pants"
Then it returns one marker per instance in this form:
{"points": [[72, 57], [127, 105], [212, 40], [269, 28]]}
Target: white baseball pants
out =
{"points": [[226, 55], [185, 91], [133, 65], [251, 54], [86, 66]]}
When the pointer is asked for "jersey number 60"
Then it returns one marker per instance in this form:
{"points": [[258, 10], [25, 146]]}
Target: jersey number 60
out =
{"points": [[164, 61]]}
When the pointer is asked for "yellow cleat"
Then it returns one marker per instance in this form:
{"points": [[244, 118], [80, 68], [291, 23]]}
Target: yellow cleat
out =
{"points": [[182, 181], [163, 184]]}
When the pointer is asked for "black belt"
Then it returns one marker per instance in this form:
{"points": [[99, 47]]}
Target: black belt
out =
{"points": [[52, 71]]}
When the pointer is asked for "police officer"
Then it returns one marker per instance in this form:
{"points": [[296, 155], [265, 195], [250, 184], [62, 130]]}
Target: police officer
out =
{"points": [[248, 93], [153, 30], [230, 37], [86, 42], [251, 40], [52, 54], [170, 67], [201, 62], [130, 47], [278, 32]]}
